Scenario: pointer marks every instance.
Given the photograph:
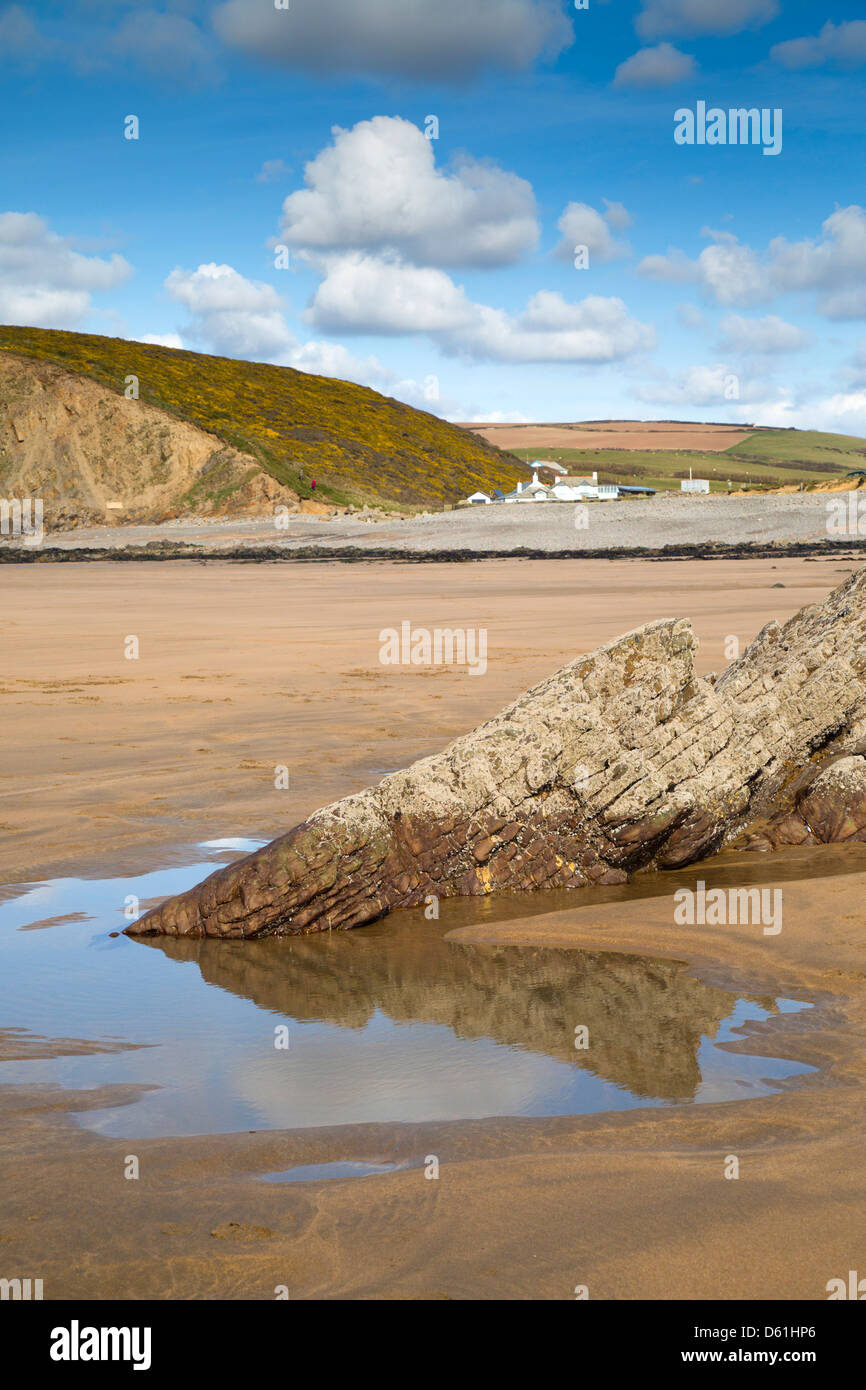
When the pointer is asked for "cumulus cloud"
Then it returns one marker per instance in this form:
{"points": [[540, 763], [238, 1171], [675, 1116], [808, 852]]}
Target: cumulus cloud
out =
{"points": [[726, 270], [661, 19], [449, 41], [553, 329], [837, 45], [833, 265], [844, 412], [363, 294], [377, 188], [766, 335], [616, 216], [661, 66], [44, 281], [581, 225], [229, 314], [169, 340], [236, 317]]}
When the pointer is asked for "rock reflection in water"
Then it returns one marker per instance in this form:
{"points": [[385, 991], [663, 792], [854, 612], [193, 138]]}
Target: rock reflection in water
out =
{"points": [[646, 1017]]}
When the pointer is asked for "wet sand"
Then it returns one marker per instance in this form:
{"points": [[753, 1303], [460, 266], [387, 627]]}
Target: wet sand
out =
{"points": [[111, 765], [632, 1205], [268, 666]]}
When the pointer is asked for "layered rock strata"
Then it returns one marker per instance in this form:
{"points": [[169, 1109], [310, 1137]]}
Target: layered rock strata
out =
{"points": [[621, 761]]}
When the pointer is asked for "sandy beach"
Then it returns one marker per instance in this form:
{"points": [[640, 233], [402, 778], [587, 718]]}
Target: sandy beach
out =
{"points": [[116, 765], [240, 670]]}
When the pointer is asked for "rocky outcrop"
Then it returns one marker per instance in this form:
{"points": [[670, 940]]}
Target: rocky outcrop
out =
{"points": [[828, 806], [623, 760], [96, 458]]}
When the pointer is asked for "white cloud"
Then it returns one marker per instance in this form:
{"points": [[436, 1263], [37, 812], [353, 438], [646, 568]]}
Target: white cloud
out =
{"points": [[581, 225], [837, 45], [616, 216], [832, 265], [44, 281], [169, 340], [243, 318], [377, 188], [695, 18], [714, 385], [499, 417], [661, 66], [552, 329], [726, 270], [766, 335], [841, 413], [449, 41], [363, 294], [230, 314]]}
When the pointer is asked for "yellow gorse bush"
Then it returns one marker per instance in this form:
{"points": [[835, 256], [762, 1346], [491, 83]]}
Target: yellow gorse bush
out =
{"points": [[359, 447]]}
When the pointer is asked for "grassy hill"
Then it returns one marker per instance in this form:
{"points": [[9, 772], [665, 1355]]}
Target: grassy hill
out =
{"points": [[769, 458], [358, 446]]}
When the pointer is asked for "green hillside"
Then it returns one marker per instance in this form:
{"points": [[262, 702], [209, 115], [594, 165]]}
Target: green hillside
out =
{"points": [[769, 458], [358, 446]]}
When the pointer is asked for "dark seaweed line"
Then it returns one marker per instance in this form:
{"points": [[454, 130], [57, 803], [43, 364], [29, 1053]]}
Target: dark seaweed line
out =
{"points": [[752, 550]]}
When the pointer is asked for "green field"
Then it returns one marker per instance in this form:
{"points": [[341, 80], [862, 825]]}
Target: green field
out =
{"points": [[770, 458]]}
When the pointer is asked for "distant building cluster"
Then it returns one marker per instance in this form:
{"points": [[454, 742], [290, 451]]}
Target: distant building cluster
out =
{"points": [[563, 487]]}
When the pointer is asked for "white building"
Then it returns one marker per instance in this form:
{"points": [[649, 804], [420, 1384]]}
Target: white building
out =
{"points": [[480, 498]]}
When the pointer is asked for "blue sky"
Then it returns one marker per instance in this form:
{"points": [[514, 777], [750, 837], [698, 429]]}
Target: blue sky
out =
{"points": [[717, 282]]}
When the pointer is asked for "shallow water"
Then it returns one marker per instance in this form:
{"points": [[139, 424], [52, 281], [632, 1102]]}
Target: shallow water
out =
{"points": [[387, 1023], [317, 1172]]}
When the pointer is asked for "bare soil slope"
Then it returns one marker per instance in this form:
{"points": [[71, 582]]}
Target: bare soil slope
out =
{"points": [[95, 457]]}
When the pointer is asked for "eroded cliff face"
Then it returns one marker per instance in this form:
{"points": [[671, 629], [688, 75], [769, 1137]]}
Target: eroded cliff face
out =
{"points": [[621, 761], [96, 458]]}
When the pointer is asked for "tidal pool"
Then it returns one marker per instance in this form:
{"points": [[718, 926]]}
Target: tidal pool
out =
{"points": [[387, 1023]]}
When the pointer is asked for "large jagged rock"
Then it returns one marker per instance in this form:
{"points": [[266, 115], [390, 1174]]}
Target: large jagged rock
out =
{"points": [[623, 760]]}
